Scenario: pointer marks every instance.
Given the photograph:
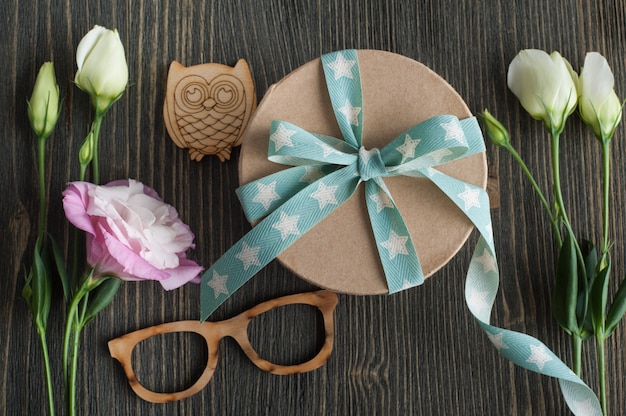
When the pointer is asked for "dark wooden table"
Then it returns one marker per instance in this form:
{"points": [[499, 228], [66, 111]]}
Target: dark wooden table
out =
{"points": [[418, 352]]}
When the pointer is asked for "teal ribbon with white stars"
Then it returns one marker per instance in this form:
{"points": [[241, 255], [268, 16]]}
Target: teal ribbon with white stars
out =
{"points": [[327, 171]]}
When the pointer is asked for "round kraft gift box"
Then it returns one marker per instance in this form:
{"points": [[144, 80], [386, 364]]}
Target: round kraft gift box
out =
{"points": [[340, 252]]}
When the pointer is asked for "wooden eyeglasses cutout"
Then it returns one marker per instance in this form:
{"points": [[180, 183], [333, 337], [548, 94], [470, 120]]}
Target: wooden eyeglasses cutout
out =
{"points": [[122, 348]]}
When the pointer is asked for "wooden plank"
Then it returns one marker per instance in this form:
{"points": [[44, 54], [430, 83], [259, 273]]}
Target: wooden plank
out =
{"points": [[415, 353]]}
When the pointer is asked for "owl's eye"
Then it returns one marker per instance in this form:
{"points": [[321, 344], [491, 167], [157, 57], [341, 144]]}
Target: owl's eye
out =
{"points": [[191, 93], [228, 93], [194, 94], [225, 95]]}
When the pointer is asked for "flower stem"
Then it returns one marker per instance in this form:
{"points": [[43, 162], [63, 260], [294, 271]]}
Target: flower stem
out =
{"points": [[41, 158], [74, 324], [93, 135], [562, 213], [71, 388], [71, 338], [577, 350], [600, 335], [600, 340], [71, 320], [606, 184], [46, 360], [558, 195], [88, 154], [556, 176], [544, 201], [95, 128], [41, 231]]}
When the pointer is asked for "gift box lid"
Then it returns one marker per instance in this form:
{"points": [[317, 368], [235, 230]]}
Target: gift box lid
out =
{"points": [[340, 253]]}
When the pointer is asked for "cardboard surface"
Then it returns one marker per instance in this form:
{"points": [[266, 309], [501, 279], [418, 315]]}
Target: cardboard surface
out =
{"points": [[339, 253]]}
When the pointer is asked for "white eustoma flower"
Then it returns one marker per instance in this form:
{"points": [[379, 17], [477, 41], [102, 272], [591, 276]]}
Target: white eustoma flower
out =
{"points": [[598, 103], [102, 69], [545, 84]]}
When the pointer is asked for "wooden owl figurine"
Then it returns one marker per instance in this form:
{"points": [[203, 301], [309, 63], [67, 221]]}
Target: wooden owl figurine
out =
{"points": [[207, 107]]}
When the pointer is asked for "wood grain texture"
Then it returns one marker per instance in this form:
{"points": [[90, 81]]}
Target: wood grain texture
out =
{"points": [[418, 352]]}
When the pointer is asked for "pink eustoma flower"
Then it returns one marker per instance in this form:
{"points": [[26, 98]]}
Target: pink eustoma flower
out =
{"points": [[131, 233]]}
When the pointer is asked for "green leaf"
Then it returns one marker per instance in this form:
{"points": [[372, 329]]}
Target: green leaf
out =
{"points": [[104, 295], [598, 299], [590, 255], [591, 259], [27, 292], [41, 287], [565, 296], [617, 309], [61, 269]]}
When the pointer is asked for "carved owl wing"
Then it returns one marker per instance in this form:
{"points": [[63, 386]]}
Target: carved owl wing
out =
{"points": [[208, 106]]}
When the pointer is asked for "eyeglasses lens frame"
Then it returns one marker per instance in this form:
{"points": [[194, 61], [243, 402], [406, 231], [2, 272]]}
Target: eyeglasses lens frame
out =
{"points": [[237, 328]]}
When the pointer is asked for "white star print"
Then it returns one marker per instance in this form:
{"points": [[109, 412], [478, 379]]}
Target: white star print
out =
{"points": [[487, 260], [282, 137], [496, 340], [328, 149], [538, 356], [395, 245], [351, 113], [382, 200], [312, 174], [407, 284], [342, 67], [432, 172], [439, 155], [454, 132], [489, 229], [585, 408], [287, 225], [470, 197], [325, 195], [478, 300], [408, 148], [218, 284], [266, 195], [249, 255]]}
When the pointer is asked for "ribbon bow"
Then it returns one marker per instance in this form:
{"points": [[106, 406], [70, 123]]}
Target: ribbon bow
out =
{"points": [[327, 171]]}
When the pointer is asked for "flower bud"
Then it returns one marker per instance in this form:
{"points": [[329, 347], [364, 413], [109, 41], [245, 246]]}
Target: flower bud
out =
{"points": [[85, 154], [598, 104], [102, 69], [43, 106], [495, 130], [546, 86]]}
